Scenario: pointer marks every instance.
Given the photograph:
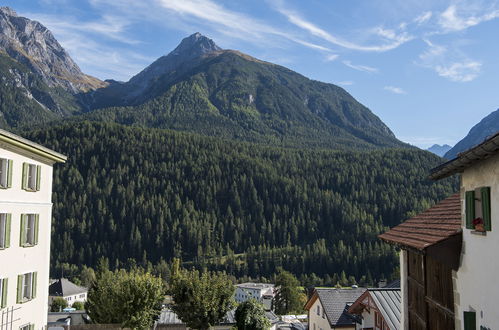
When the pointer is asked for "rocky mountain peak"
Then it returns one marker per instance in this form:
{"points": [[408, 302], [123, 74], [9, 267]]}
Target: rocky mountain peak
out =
{"points": [[8, 11], [195, 44]]}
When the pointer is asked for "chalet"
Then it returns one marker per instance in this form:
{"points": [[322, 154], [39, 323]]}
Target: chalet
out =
{"points": [[328, 308], [67, 290], [378, 308], [25, 226], [448, 264]]}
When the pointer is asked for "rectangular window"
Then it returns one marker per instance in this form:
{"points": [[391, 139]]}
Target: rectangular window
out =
{"points": [[29, 229], [469, 321], [5, 220], [3, 292], [478, 215], [318, 310], [26, 287], [31, 177], [5, 173], [27, 327]]}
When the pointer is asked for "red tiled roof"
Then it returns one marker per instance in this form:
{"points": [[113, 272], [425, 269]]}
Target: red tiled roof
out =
{"points": [[429, 227]]}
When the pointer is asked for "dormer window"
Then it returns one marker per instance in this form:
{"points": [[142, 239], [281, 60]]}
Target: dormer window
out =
{"points": [[478, 209]]}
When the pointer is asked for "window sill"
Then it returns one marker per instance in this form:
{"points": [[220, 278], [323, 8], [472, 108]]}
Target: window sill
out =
{"points": [[479, 233], [28, 245]]}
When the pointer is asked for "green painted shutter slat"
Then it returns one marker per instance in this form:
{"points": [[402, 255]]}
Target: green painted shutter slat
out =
{"points": [[38, 176], [8, 219], [31, 327], [5, 286], [23, 237], [19, 289], [9, 173], [33, 287], [25, 176], [37, 219], [486, 208], [470, 209], [469, 321]]}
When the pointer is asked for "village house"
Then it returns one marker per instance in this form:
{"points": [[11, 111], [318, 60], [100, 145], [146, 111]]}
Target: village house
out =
{"points": [[328, 309], [25, 227], [378, 308], [448, 264], [67, 290], [261, 292]]}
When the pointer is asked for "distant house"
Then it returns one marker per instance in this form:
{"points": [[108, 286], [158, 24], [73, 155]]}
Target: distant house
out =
{"points": [[448, 262], [328, 308], [67, 290], [262, 292], [378, 308]]}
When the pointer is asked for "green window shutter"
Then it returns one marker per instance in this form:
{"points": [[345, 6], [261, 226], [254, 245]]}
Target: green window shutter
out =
{"points": [[38, 176], [486, 208], [469, 321], [8, 219], [33, 287], [25, 176], [470, 209], [37, 219], [9, 173], [20, 288], [5, 285], [22, 240], [31, 327]]}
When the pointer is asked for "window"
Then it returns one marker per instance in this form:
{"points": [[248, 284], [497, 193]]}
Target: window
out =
{"points": [[3, 292], [29, 229], [27, 327], [469, 321], [5, 173], [5, 220], [478, 209], [323, 314], [26, 287], [31, 177], [318, 310]]}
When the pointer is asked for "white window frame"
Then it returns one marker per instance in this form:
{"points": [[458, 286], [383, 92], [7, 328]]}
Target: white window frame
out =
{"points": [[30, 229], [4, 172], [31, 180], [27, 293]]}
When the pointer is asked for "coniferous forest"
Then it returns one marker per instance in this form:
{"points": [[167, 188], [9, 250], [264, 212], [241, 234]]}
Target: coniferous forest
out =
{"points": [[143, 196]]}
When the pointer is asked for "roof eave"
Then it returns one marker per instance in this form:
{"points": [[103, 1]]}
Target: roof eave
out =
{"points": [[32, 147]]}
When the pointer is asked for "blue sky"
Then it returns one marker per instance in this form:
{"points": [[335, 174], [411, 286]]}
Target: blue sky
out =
{"points": [[428, 68]]}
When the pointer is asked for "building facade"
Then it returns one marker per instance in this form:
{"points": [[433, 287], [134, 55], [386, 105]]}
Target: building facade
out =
{"points": [[25, 227], [67, 290], [261, 292], [378, 308]]}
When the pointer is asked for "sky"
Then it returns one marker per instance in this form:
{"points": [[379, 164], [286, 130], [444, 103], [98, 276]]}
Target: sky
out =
{"points": [[428, 68]]}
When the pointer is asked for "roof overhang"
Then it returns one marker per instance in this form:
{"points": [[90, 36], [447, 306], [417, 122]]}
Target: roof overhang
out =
{"points": [[467, 158], [31, 147]]}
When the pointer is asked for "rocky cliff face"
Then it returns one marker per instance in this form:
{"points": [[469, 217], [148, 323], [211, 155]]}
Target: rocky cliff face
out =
{"points": [[33, 45]]}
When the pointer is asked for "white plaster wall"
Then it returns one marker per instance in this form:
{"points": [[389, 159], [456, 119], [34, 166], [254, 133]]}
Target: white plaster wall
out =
{"points": [[404, 318], [318, 320], [17, 260], [476, 279], [368, 319]]}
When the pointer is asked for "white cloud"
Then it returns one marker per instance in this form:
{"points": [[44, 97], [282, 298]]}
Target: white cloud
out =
{"points": [[423, 18], [359, 67], [332, 57], [345, 83], [395, 90], [452, 20], [395, 40], [460, 71]]}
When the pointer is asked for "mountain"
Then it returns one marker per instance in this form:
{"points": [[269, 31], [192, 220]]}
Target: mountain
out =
{"points": [[478, 133], [439, 150], [40, 81], [141, 195], [199, 87]]}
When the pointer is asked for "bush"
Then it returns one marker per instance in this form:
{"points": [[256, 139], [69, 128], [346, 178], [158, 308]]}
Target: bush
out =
{"points": [[78, 305], [58, 304]]}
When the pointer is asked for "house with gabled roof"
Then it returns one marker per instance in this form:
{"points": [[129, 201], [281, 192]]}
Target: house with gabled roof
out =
{"points": [[448, 261], [328, 308], [67, 290], [378, 308]]}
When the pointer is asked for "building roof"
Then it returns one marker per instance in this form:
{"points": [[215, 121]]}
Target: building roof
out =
{"points": [[467, 158], [336, 303], [63, 288], [30, 146], [251, 285], [386, 300], [168, 316], [432, 226]]}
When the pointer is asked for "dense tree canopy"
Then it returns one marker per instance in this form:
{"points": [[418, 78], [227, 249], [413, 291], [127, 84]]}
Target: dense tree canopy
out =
{"points": [[250, 315], [141, 195]]}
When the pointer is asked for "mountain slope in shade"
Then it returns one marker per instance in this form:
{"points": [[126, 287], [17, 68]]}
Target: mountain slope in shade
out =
{"points": [[201, 88], [439, 150], [478, 133]]}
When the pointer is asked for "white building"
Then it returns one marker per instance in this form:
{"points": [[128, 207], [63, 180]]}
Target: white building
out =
{"points": [[63, 288], [448, 262], [25, 225], [262, 292]]}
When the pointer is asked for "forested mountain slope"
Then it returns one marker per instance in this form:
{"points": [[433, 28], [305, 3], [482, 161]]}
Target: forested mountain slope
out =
{"points": [[152, 194]]}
